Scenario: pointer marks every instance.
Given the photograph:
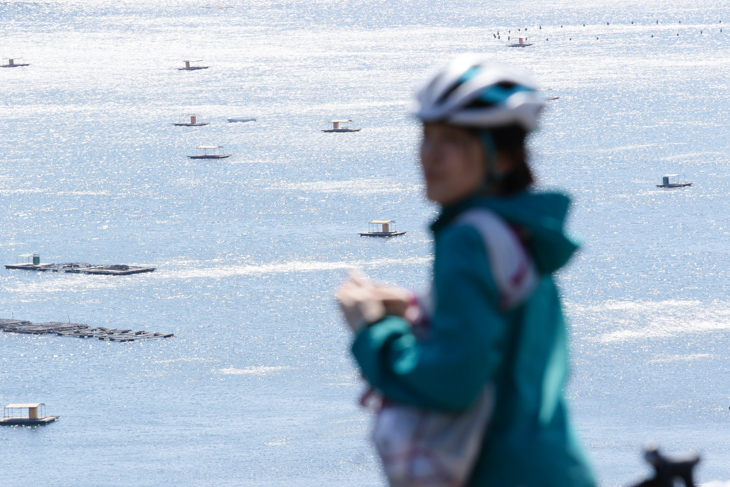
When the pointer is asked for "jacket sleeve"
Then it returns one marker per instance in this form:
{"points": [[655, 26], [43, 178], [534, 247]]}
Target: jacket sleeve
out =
{"points": [[447, 369]]}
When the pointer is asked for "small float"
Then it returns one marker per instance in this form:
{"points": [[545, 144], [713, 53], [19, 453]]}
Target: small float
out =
{"points": [[521, 42], [12, 63], [667, 183], [215, 152], [190, 67], [382, 228], [337, 128], [241, 119], [26, 414], [189, 120]]}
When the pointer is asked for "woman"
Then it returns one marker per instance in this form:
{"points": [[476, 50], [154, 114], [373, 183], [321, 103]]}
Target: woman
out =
{"points": [[495, 315]]}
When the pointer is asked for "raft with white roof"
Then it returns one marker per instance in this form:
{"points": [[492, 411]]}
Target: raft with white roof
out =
{"points": [[215, 154], [190, 67], [336, 126], [31, 414], [382, 228], [666, 182]]}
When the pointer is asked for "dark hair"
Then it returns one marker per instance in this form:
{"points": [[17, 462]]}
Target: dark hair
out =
{"points": [[510, 140]]}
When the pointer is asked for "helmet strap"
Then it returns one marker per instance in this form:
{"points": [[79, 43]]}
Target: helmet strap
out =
{"points": [[490, 155]]}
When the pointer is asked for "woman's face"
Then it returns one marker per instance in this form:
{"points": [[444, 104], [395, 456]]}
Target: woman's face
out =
{"points": [[453, 162]]}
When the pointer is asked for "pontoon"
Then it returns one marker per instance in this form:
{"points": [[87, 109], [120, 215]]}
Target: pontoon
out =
{"points": [[336, 127], [667, 184], [382, 228], [13, 414], [12, 63], [189, 120], [214, 154], [189, 67]]}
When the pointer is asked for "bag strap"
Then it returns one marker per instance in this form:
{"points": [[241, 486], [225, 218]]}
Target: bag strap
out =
{"points": [[513, 270]]}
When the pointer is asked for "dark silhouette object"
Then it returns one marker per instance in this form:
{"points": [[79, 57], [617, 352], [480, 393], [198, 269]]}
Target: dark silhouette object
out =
{"points": [[668, 470]]}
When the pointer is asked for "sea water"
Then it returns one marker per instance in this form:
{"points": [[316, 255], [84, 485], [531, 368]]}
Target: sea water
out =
{"points": [[256, 387]]}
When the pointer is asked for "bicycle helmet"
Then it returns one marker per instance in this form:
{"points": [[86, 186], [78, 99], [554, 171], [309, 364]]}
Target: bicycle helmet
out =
{"points": [[473, 92]]}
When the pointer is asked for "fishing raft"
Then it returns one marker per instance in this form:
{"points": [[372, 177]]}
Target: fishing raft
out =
{"points": [[80, 268], [77, 330]]}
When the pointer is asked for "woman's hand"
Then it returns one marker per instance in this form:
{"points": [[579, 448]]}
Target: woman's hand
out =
{"points": [[363, 302]]}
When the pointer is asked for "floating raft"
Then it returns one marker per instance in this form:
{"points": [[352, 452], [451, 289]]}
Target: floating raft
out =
{"points": [[82, 268], [77, 330], [11, 417]]}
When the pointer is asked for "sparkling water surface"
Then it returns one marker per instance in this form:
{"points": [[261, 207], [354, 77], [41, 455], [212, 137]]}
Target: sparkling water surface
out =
{"points": [[256, 387]]}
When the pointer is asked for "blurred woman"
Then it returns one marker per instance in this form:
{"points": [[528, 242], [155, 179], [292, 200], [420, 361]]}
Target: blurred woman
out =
{"points": [[493, 314]]}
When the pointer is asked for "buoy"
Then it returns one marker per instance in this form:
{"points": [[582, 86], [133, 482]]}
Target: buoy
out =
{"points": [[570, 39], [607, 23], [632, 22], [677, 34], [546, 39], [652, 35]]}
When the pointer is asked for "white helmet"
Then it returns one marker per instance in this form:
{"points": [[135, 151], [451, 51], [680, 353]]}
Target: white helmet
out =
{"points": [[472, 92]]}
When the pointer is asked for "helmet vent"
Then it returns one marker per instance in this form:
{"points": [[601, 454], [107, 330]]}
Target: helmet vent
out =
{"points": [[446, 93], [479, 103], [468, 74]]}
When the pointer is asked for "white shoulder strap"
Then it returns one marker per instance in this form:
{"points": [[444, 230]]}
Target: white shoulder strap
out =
{"points": [[512, 268]]}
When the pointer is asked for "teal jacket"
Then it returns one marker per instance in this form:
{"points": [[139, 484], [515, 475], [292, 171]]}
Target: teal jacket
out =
{"points": [[523, 351]]}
